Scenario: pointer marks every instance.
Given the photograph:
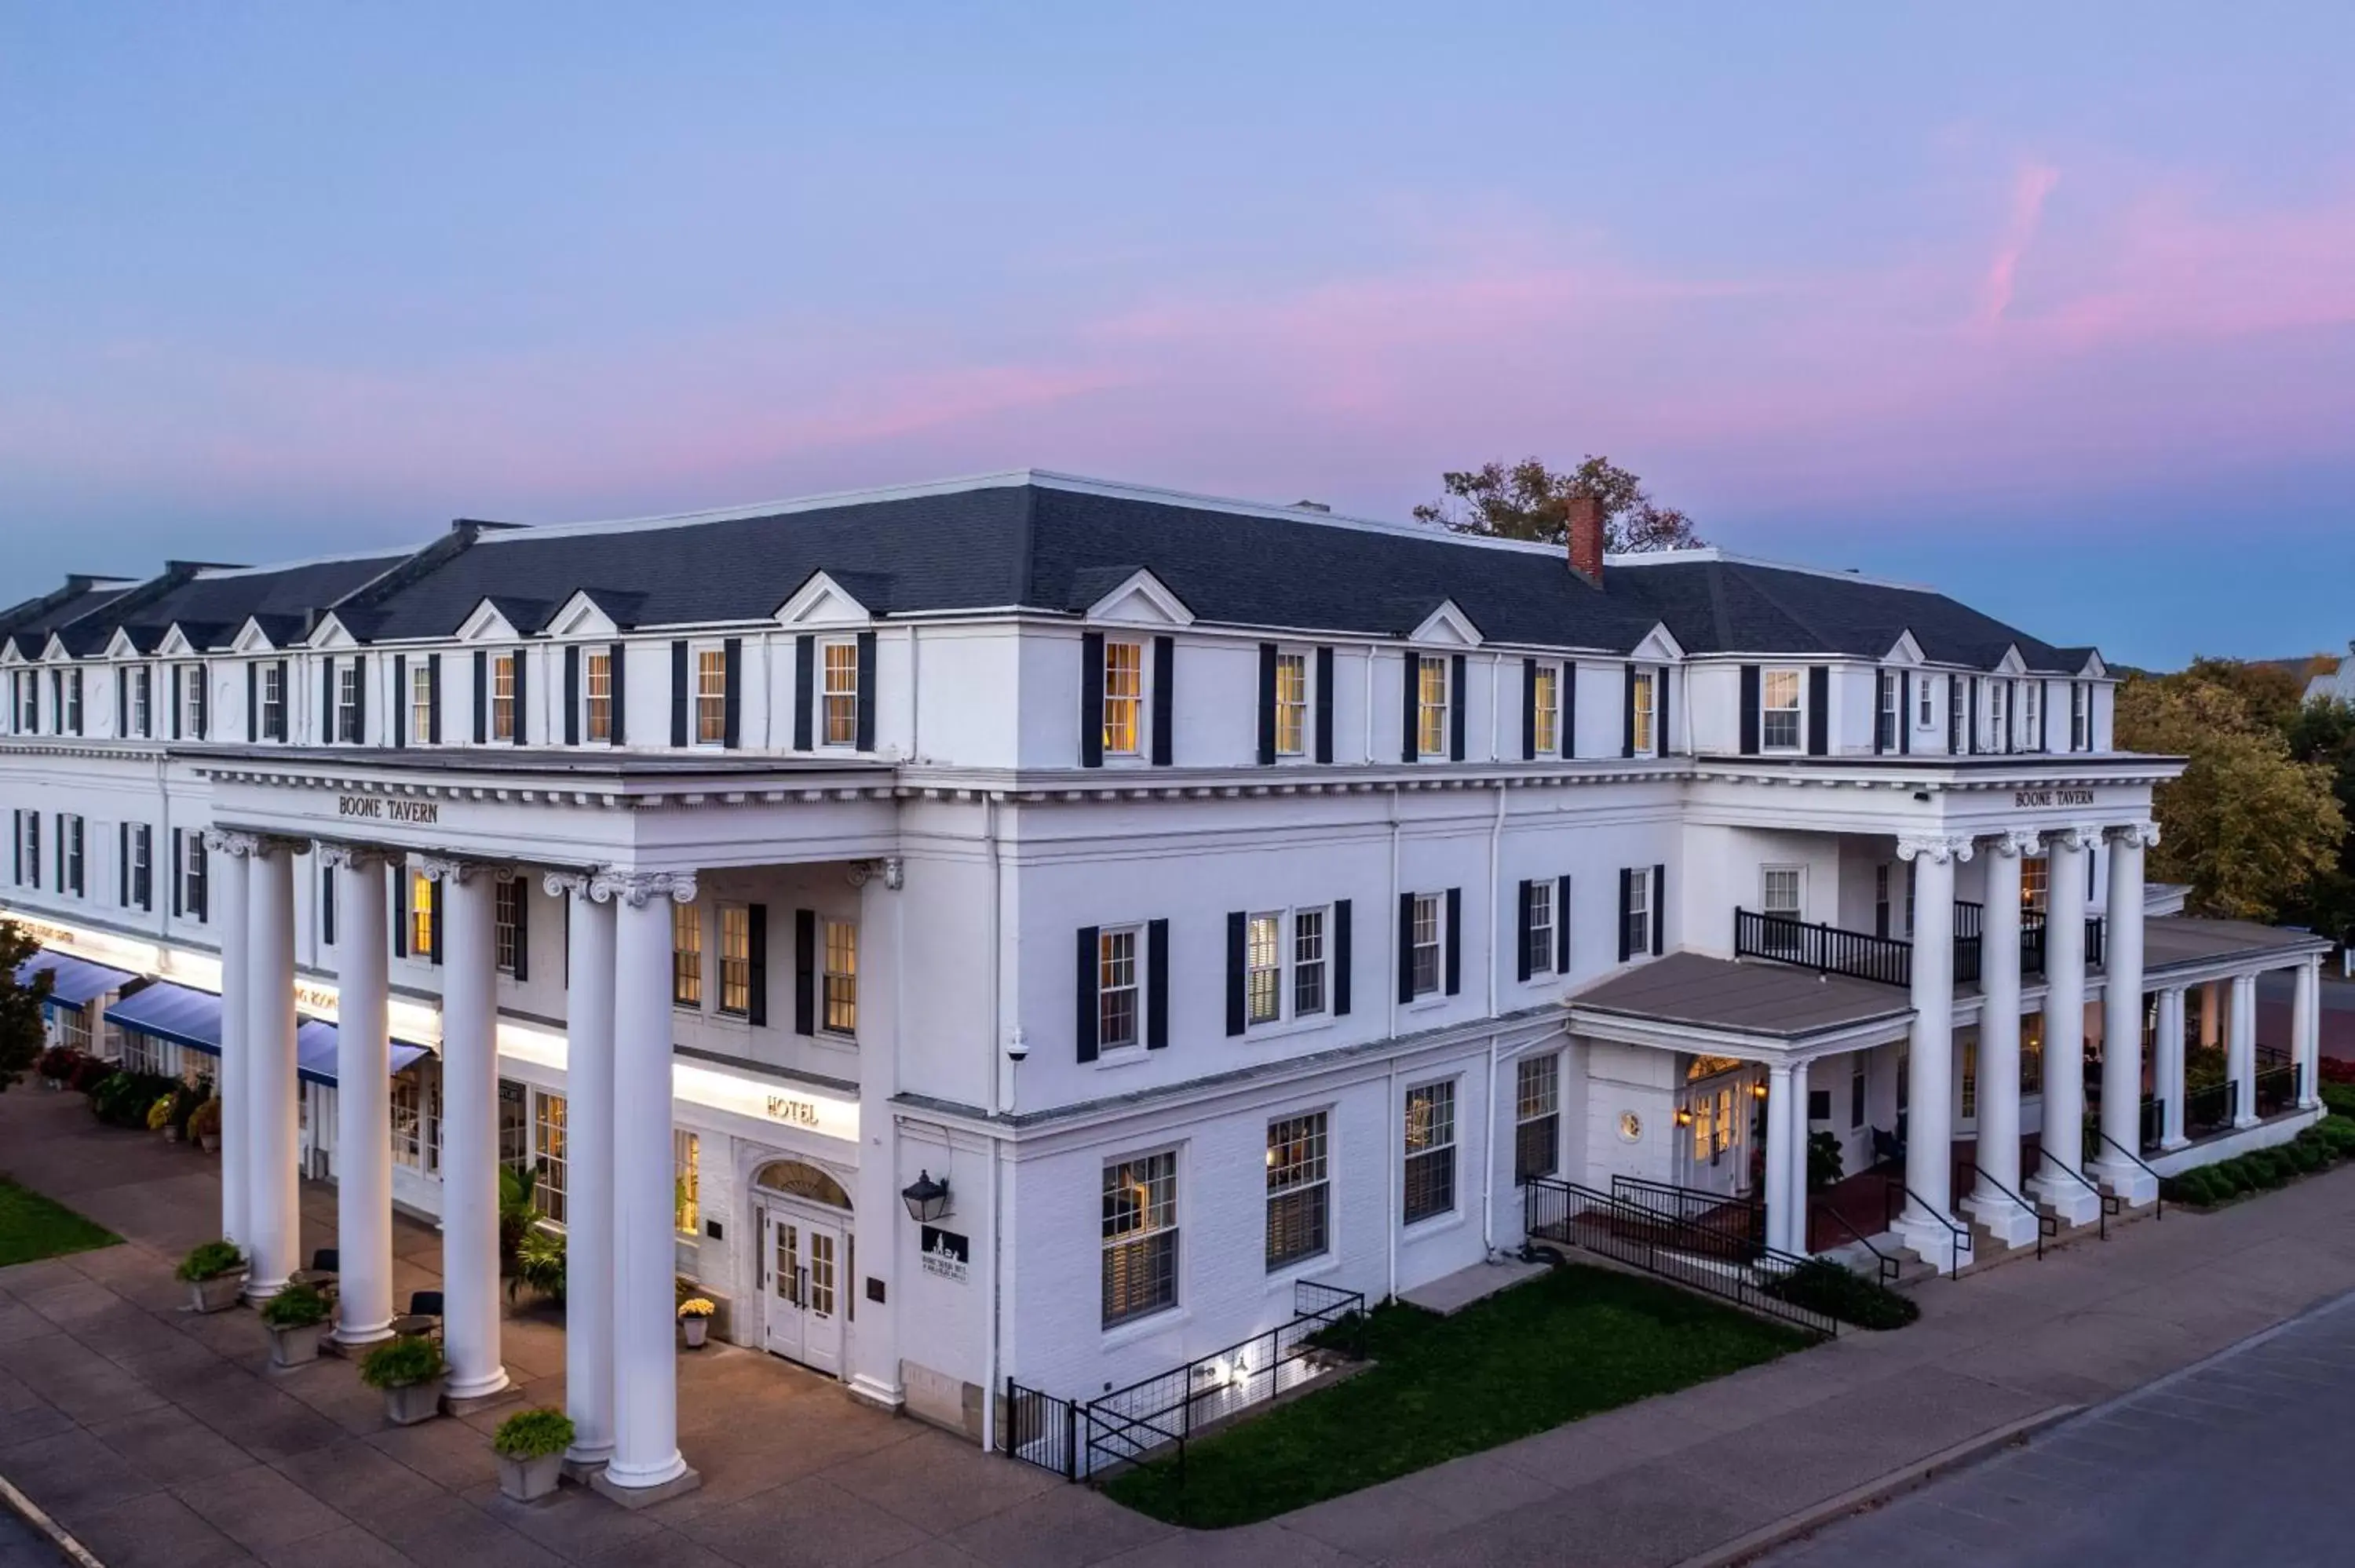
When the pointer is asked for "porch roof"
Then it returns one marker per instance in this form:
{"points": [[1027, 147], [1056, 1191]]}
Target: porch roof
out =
{"points": [[1781, 1005], [2173, 942]]}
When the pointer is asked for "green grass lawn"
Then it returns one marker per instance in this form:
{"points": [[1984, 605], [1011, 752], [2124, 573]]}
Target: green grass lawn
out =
{"points": [[1572, 1342], [32, 1227]]}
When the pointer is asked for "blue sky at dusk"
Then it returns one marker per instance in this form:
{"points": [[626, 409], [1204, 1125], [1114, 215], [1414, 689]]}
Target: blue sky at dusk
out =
{"points": [[2050, 305]]}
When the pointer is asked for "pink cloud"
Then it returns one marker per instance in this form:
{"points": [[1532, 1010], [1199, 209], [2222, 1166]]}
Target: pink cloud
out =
{"points": [[2031, 188]]}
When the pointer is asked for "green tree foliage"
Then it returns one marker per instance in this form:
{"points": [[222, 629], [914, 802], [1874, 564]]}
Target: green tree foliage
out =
{"points": [[2252, 828], [21, 1032], [1530, 501], [2323, 736]]}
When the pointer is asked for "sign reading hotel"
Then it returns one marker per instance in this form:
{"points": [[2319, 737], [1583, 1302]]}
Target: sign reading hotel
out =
{"points": [[2046, 800], [378, 807]]}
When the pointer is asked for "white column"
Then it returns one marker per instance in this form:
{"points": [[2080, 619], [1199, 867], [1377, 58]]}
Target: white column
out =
{"points": [[2241, 1051], [1930, 1095], [589, 1196], [227, 866], [2305, 1033], [1778, 1161], [1991, 1203], [2063, 1138], [363, 1098], [645, 1358], [875, 1351], [2122, 1016], [1795, 1150], [470, 1129], [2169, 1065], [272, 1117]]}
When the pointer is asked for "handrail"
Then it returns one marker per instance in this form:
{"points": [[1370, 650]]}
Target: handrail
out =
{"points": [[1961, 1233], [2046, 1224], [1690, 1255], [1890, 1269], [1752, 1208], [2109, 1201], [1826, 948], [2142, 1166]]}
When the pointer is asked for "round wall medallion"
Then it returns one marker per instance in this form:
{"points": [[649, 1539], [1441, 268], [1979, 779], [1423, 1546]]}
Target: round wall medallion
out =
{"points": [[1631, 1126]]}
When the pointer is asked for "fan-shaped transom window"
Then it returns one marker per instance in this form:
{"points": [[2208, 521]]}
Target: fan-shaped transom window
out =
{"points": [[795, 1179]]}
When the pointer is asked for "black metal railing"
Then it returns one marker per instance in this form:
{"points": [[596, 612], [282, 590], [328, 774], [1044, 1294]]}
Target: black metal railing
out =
{"points": [[2047, 1225], [1887, 1267], [1893, 1194], [2211, 1109], [2107, 1201], [1829, 950], [1743, 1217], [2276, 1084], [1039, 1429], [1695, 1256], [2141, 1165], [2152, 1123]]}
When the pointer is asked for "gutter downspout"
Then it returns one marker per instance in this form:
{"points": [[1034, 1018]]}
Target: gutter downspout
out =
{"points": [[1488, 1141], [997, 1200]]}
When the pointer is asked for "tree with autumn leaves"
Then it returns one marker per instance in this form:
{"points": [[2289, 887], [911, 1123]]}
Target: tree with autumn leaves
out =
{"points": [[1530, 501]]}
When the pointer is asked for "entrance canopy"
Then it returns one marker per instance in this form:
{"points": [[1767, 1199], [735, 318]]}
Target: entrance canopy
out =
{"points": [[192, 1018], [1689, 1001], [73, 982]]}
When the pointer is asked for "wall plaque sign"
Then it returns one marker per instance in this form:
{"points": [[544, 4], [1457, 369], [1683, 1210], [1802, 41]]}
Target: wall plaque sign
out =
{"points": [[2045, 799], [382, 808], [946, 1254]]}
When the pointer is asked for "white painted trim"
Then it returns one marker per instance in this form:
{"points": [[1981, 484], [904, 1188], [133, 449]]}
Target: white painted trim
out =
{"points": [[1161, 607], [822, 602]]}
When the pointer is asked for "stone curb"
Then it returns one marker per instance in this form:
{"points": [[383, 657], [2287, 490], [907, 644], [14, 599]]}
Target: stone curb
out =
{"points": [[1969, 1451], [74, 1550]]}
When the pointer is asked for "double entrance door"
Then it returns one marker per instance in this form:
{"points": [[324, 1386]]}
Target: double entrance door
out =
{"points": [[803, 1271]]}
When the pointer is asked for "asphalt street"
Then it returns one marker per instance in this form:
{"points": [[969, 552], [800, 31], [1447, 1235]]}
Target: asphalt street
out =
{"points": [[2237, 1462]]}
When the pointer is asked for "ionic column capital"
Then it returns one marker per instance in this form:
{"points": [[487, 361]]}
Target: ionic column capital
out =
{"points": [[569, 883], [2014, 846], [2075, 839], [450, 869], [224, 841], [888, 868], [355, 857], [2142, 835], [1937, 848], [639, 888]]}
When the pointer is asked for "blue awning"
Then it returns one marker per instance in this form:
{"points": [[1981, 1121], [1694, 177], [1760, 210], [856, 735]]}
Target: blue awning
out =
{"points": [[192, 1018], [74, 982]]}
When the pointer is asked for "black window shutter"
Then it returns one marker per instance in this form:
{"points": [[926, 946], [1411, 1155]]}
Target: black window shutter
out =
{"points": [[804, 691], [1238, 928], [1454, 940], [1660, 910], [204, 703], [1409, 748], [1562, 926], [1084, 1020], [678, 695], [1521, 941], [1627, 717], [1157, 984], [1750, 701], [329, 733], [1819, 710], [756, 938], [1529, 709], [2011, 717], [482, 696], [571, 694], [1663, 683], [433, 699], [1570, 707], [123, 864], [328, 907], [1406, 946], [2043, 716], [1164, 701], [179, 859], [1457, 702], [615, 668], [1324, 705], [285, 698], [360, 695], [1884, 692], [17, 846], [1904, 712], [1266, 707], [252, 703], [520, 730], [805, 971], [1627, 913], [1341, 958], [1971, 727], [523, 928], [398, 720], [434, 926], [867, 693], [176, 701], [1091, 661], [144, 884], [121, 702], [401, 910], [732, 700]]}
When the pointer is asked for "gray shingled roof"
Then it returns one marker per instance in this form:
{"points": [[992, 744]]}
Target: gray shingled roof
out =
{"points": [[209, 606], [28, 625]]}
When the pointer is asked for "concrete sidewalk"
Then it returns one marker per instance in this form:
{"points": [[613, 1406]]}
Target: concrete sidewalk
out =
{"points": [[158, 1438]]}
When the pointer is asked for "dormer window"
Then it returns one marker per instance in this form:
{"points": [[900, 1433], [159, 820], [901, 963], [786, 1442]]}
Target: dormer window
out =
{"points": [[596, 695], [138, 684], [1999, 713], [1431, 700], [1291, 705], [28, 702], [2031, 713], [711, 696], [270, 682], [1925, 707], [192, 700], [503, 696], [1124, 698], [70, 702], [1778, 711], [347, 703], [421, 701], [2081, 716], [1889, 713], [1644, 711], [839, 696], [1545, 710]]}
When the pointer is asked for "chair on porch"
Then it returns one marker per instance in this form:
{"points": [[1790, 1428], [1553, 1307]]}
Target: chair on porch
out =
{"points": [[423, 1317], [1889, 1147], [326, 1265]]}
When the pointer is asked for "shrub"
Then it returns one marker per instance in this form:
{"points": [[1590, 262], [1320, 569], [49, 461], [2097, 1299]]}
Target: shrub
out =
{"points": [[184, 1101], [296, 1306], [59, 1061], [159, 1115], [540, 1263], [88, 1074], [2338, 1133], [403, 1363], [533, 1435], [205, 1120], [1822, 1286], [211, 1260], [2336, 1070], [2339, 1098]]}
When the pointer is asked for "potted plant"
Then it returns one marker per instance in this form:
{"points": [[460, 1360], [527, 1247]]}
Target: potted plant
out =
{"points": [[694, 1320], [159, 1118], [297, 1320], [215, 1273], [531, 1445], [409, 1370], [204, 1126]]}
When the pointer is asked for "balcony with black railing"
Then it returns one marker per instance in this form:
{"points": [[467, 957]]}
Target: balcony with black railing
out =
{"points": [[1889, 960]]}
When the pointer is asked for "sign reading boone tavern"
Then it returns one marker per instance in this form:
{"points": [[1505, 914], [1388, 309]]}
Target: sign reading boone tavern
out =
{"points": [[376, 807], [2044, 800]]}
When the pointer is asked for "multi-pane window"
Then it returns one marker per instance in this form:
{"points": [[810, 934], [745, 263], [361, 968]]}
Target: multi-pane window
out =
{"points": [[711, 696], [142, 877], [1116, 987], [735, 960], [1263, 968], [69, 701], [416, 1113], [192, 700], [840, 1012], [1140, 1237], [1926, 706], [1298, 1190], [28, 848], [1291, 705], [548, 1155], [1880, 900], [1539, 955], [348, 703], [138, 685], [2031, 715], [1123, 697], [838, 698], [1999, 714], [1430, 706], [685, 956], [1778, 711], [1308, 961], [2081, 717], [195, 875], [1887, 715], [1545, 711], [597, 696], [507, 921], [1430, 1150], [421, 701], [1536, 1116], [26, 688], [685, 1182], [2031, 1051], [503, 696], [1637, 938], [2035, 881], [70, 833], [1779, 891], [423, 894], [1647, 704], [1424, 944], [1956, 709], [269, 680]]}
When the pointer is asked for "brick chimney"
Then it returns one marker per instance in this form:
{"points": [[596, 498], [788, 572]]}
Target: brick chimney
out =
{"points": [[1586, 538]]}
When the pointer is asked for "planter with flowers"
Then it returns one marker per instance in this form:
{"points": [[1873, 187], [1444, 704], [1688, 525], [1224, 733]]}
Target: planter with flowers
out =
{"points": [[410, 1370], [694, 1320], [215, 1273], [204, 1127], [531, 1445], [297, 1320]]}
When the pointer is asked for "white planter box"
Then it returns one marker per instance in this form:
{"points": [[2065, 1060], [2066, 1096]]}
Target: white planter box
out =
{"points": [[528, 1480], [296, 1347], [217, 1294], [413, 1402]]}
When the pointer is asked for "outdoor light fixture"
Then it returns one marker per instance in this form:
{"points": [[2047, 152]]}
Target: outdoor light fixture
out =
{"points": [[927, 1200], [1758, 1090], [1684, 1115]]}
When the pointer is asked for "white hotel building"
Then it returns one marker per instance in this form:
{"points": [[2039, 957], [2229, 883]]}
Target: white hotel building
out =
{"points": [[1213, 895]]}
